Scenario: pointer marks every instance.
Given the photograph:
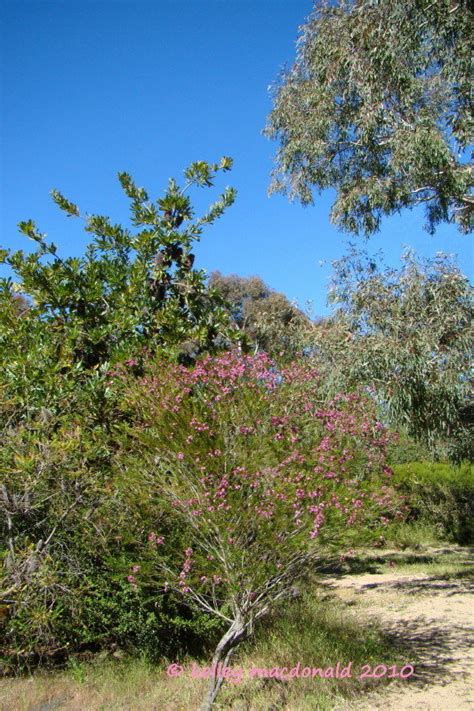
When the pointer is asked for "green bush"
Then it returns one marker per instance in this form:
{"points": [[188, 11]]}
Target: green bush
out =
{"points": [[74, 528], [71, 524], [440, 495], [406, 450]]}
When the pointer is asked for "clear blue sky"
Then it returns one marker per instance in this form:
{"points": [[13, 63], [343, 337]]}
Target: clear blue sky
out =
{"points": [[91, 88]]}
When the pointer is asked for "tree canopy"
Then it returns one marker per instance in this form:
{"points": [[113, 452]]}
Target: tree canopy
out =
{"points": [[407, 335], [266, 317], [133, 288], [378, 105]]}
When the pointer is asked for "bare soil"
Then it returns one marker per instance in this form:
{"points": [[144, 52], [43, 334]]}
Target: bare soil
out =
{"points": [[432, 615]]}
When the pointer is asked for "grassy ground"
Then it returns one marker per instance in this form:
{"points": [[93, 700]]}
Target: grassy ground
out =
{"points": [[318, 629]]}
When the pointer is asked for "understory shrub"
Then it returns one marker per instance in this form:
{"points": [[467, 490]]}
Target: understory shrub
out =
{"points": [[261, 478], [406, 450], [439, 495], [72, 529], [103, 544]]}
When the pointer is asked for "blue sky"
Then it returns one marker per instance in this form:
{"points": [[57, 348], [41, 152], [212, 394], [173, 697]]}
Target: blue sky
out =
{"points": [[91, 88]]}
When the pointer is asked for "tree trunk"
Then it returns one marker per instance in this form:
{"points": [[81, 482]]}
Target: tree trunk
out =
{"points": [[224, 649]]}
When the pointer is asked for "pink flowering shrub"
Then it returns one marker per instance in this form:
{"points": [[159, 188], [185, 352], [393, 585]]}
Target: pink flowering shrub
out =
{"points": [[263, 478]]}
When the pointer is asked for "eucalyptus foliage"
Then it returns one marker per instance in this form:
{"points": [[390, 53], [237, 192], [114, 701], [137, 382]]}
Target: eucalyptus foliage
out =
{"points": [[407, 335], [378, 105], [268, 319]]}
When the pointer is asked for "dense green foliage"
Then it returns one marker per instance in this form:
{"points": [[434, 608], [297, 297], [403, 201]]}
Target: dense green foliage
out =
{"points": [[132, 288], [85, 497], [70, 525], [440, 495], [156, 482], [378, 105]]}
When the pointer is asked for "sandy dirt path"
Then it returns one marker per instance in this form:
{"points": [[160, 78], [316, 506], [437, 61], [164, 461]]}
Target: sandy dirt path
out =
{"points": [[430, 615]]}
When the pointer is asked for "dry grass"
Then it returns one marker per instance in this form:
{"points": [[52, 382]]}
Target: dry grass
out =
{"points": [[318, 630]]}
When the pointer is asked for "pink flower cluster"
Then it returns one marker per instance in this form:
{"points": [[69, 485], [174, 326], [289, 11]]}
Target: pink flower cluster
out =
{"points": [[307, 474]]}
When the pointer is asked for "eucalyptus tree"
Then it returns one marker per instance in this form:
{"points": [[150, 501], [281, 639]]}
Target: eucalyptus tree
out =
{"points": [[378, 106], [407, 335], [265, 316]]}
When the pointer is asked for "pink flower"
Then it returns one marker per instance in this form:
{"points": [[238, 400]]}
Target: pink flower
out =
{"points": [[180, 455]]}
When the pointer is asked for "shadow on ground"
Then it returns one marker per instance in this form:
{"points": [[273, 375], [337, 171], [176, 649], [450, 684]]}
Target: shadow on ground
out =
{"points": [[432, 630], [371, 562], [433, 648]]}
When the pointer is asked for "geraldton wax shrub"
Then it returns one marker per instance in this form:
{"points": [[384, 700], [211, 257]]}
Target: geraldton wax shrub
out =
{"points": [[260, 480]]}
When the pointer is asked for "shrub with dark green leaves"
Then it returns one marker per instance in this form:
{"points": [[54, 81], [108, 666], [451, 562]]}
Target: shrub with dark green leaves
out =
{"points": [[132, 288], [440, 495], [72, 528], [71, 525]]}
